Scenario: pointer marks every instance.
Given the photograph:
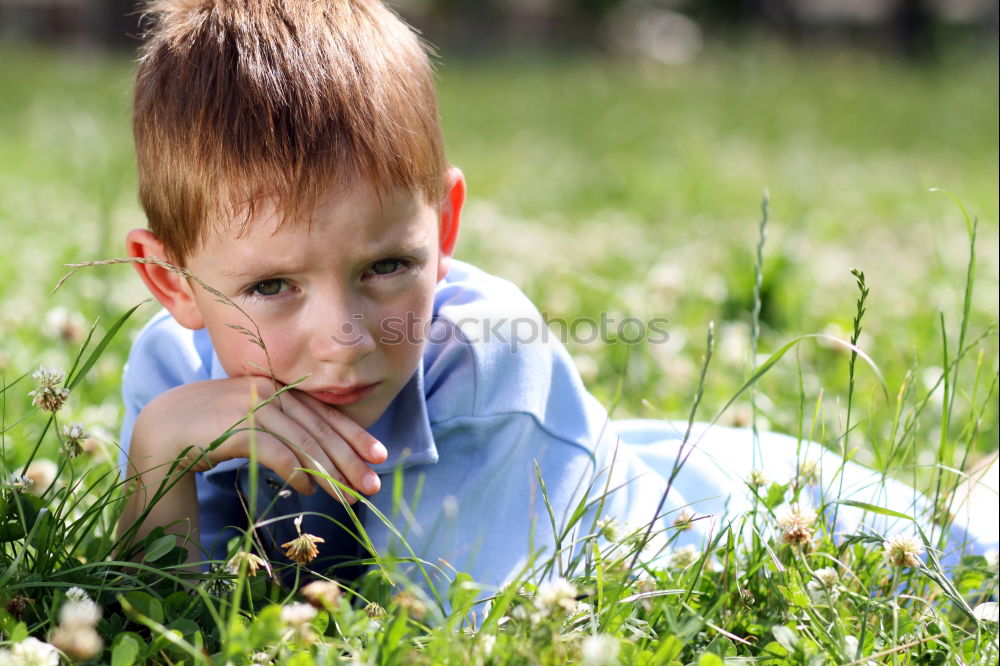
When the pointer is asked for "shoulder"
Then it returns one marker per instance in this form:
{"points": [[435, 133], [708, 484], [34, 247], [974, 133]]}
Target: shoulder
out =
{"points": [[490, 354], [164, 355]]}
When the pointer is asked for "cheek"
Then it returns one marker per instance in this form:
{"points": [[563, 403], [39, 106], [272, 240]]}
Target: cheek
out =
{"points": [[240, 355]]}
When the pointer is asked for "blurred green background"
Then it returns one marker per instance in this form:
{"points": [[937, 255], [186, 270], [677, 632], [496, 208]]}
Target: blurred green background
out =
{"points": [[613, 168]]}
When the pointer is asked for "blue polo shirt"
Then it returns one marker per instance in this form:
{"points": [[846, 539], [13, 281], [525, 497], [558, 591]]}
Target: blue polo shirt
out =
{"points": [[495, 429]]}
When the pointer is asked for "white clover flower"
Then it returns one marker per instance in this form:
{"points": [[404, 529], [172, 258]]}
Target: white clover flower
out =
{"points": [[851, 648], [296, 614], [684, 557], [795, 523], [42, 474], [49, 395], [297, 617], [825, 586], [61, 323], [486, 644], [903, 550], [987, 612], [84, 613], [19, 484], [73, 437], [33, 652], [609, 528], [756, 479], [79, 643], [807, 475], [557, 593], [77, 594], [599, 650]]}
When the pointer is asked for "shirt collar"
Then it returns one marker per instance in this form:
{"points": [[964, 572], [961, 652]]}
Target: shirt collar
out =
{"points": [[404, 428]]}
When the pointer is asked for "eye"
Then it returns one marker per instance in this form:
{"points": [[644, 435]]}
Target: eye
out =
{"points": [[387, 266], [271, 287]]}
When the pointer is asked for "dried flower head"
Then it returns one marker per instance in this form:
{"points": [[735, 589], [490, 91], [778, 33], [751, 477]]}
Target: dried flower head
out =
{"points": [[252, 562], [302, 549], [73, 437], [322, 594], [557, 593], [795, 524], [17, 605], [374, 610], [49, 395], [903, 550]]}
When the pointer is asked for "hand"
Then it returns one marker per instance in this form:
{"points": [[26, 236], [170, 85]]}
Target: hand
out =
{"points": [[293, 431]]}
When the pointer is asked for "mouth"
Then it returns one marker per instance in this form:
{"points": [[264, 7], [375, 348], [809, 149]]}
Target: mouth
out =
{"points": [[344, 396]]}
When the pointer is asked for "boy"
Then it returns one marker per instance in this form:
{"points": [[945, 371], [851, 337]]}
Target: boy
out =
{"points": [[290, 158], [291, 161]]}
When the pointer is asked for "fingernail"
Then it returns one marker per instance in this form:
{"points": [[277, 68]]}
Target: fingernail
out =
{"points": [[371, 483], [379, 451]]}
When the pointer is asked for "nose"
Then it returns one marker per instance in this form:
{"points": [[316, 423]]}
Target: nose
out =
{"points": [[342, 336]]}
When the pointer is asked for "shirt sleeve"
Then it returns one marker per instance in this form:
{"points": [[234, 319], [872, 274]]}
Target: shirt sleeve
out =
{"points": [[521, 443], [166, 355]]}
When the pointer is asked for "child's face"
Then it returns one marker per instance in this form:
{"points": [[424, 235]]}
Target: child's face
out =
{"points": [[345, 300]]}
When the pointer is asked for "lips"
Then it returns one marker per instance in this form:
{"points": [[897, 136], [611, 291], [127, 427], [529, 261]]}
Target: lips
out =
{"points": [[344, 396]]}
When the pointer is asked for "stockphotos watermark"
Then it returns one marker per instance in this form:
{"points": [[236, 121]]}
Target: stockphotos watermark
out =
{"points": [[513, 331]]}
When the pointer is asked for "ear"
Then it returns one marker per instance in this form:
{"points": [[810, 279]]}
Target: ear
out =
{"points": [[170, 289], [451, 214]]}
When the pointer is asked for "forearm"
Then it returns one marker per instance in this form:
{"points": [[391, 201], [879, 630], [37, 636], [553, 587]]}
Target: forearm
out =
{"points": [[151, 457]]}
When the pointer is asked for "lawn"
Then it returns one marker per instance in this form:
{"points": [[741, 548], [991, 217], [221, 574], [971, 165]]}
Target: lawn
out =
{"points": [[613, 189]]}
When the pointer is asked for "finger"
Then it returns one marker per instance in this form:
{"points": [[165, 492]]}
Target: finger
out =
{"points": [[308, 450], [270, 452], [359, 439], [338, 448]]}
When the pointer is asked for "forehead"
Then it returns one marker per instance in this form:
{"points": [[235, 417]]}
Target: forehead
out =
{"points": [[358, 209]]}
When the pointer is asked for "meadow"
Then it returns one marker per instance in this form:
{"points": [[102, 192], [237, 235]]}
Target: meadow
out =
{"points": [[599, 186]]}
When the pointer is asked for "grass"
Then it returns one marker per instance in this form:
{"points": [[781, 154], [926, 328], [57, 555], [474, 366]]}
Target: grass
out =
{"points": [[598, 186]]}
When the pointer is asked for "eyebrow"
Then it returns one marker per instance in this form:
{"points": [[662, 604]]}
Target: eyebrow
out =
{"points": [[408, 246]]}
